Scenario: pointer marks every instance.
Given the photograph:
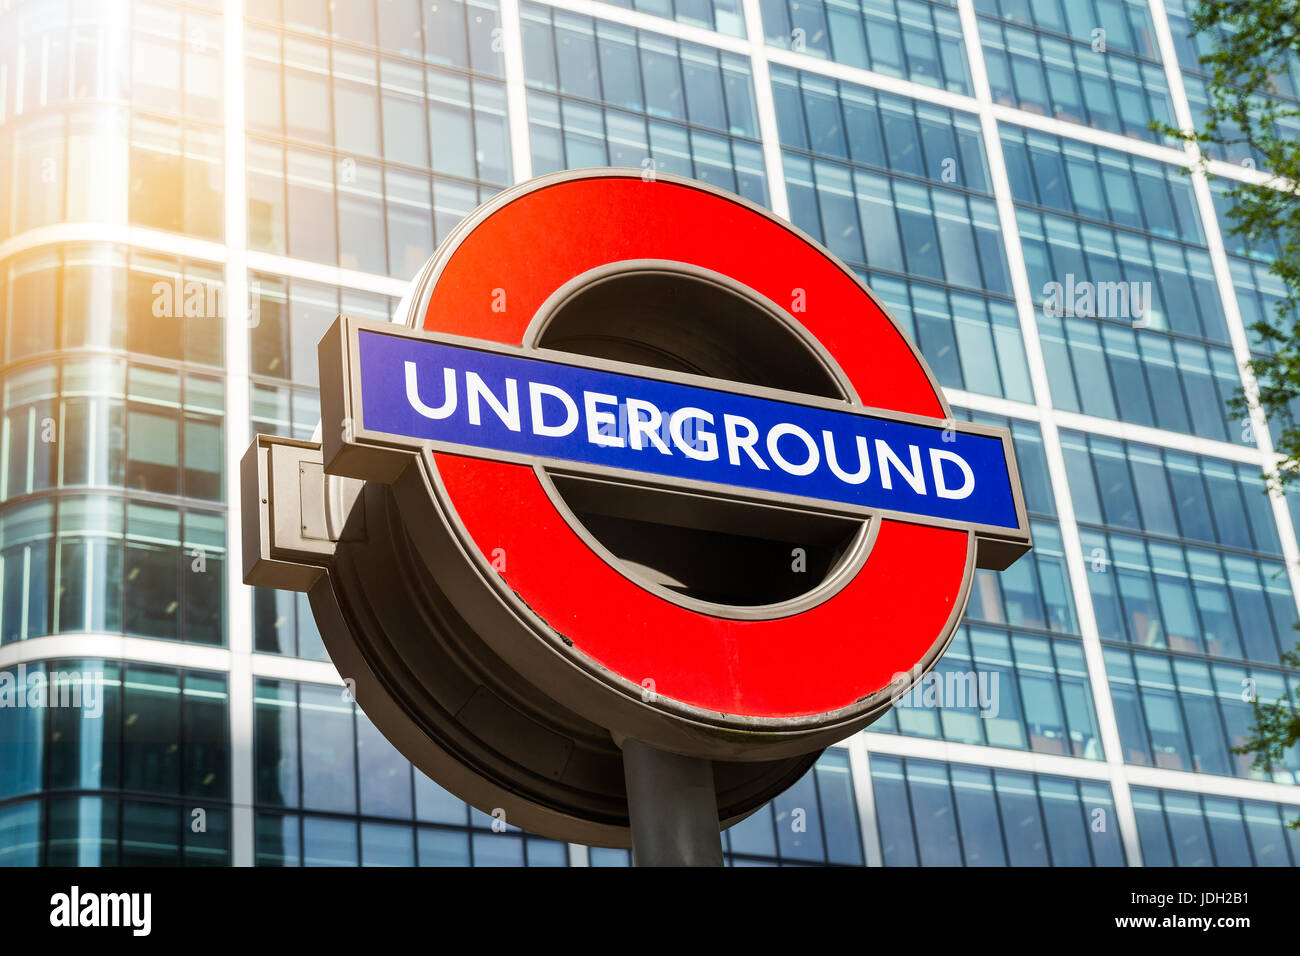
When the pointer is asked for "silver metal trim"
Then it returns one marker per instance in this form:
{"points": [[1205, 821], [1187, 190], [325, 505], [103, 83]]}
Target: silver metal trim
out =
{"points": [[537, 327]]}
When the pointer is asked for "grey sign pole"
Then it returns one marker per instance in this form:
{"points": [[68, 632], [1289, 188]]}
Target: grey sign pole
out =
{"points": [[672, 808]]}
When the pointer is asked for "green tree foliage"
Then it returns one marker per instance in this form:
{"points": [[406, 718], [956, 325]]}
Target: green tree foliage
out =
{"points": [[1254, 43], [1276, 730], [1253, 55]]}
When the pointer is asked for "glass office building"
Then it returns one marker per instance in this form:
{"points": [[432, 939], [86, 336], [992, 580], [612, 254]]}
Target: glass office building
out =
{"points": [[193, 190]]}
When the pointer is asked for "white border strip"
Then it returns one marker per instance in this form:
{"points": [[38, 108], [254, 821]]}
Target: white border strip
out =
{"points": [[646, 21], [112, 647], [765, 102], [1004, 758], [154, 240], [326, 274], [239, 597], [512, 40], [864, 793]]}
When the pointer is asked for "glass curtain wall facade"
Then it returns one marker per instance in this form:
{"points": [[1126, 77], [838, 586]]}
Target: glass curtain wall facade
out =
{"points": [[195, 188]]}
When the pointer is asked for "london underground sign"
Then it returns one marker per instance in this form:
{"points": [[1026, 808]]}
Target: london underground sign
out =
{"points": [[662, 469], [510, 405]]}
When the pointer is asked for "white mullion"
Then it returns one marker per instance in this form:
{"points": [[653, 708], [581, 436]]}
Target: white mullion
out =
{"points": [[6, 437], [324, 274], [1108, 725], [92, 446], [20, 75], [579, 855], [24, 599], [1178, 441], [155, 240], [88, 587], [239, 598], [869, 78], [1173, 72], [983, 755], [97, 644], [1088, 134], [864, 795], [1258, 177], [281, 667], [45, 70], [993, 404], [646, 21], [768, 132], [1185, 781], [512, 39], [33, 437]]}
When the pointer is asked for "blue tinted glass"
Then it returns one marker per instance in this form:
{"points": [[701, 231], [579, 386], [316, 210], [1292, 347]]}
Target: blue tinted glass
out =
{"points": [[936, 832], [498, 849], [546, 852], [798, 821], [977, 813], [839, 809], [1227, 831], [1103, 830], [20, 834], [328, 750], [893, 813], [442, 847], [22, 733], [1152, 834], [329, 842], [384, 775], [277, 840], [1064, 819], [387, 845], [1187, 830], [1021, 819], [1267, 839]]}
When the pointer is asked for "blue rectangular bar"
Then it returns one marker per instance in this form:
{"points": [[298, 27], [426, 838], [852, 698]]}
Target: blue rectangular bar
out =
{"points": [[571, 413]]}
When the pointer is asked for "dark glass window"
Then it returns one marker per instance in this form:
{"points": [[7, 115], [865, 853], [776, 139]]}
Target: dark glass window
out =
{"points": [[1186, 829], [941, 814]]}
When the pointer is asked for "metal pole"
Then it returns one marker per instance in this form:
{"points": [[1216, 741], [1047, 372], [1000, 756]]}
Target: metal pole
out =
{"points": [[672, 806]]}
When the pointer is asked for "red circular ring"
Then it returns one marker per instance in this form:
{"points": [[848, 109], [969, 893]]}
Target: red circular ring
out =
{"points": [[899, 609]]}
